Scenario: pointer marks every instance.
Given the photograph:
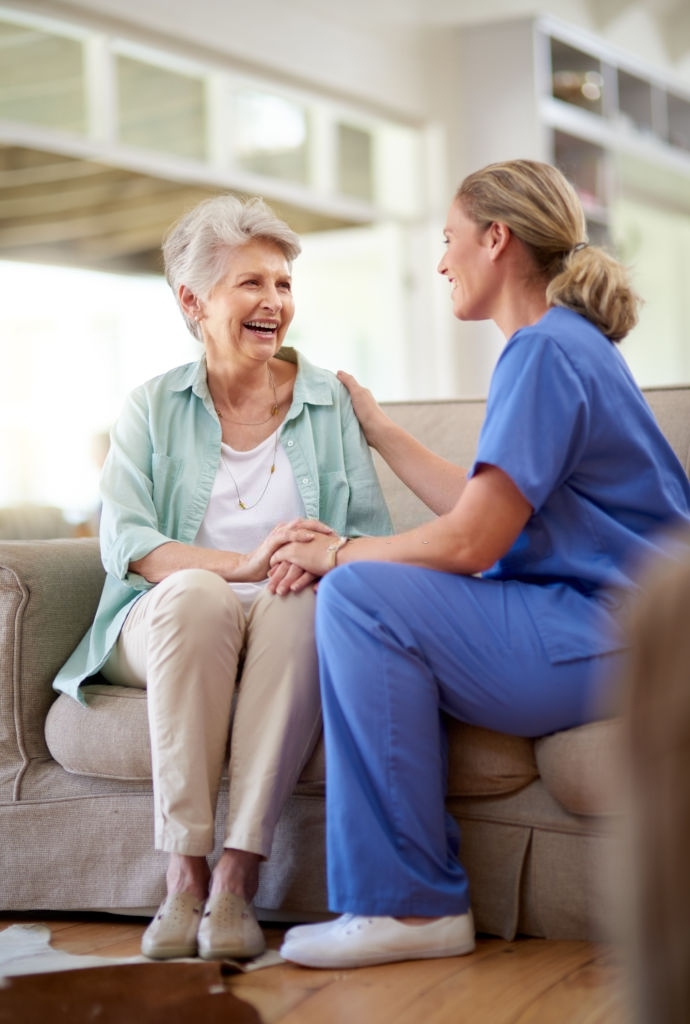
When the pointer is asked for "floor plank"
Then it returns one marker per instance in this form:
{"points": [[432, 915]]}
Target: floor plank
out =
{"points": [[528, 981]]}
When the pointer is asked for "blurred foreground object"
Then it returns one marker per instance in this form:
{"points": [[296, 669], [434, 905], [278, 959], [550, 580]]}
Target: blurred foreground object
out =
{"points": [[656, 713]]}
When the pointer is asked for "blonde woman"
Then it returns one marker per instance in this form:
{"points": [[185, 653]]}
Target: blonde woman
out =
{"points": [[571, 483]]}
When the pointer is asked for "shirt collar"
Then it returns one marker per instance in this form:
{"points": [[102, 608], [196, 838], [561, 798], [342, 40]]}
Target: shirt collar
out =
{"points": [[313, 385]]}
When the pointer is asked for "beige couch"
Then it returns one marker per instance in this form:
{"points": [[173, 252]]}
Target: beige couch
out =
{"points": [[75, 791]]}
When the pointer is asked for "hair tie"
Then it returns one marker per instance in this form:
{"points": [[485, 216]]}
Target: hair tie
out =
{"points": [[580, 245]]}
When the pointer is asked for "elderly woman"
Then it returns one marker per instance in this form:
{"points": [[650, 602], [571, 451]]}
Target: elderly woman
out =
{"points": [[211, 469], [571, 484]]}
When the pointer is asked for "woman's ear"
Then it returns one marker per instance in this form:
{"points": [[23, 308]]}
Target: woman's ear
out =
{"points": [[499, 235], [189, 302]]}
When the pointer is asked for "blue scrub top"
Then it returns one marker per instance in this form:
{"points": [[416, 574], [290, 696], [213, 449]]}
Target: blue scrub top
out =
{"points": [[567, 423]]}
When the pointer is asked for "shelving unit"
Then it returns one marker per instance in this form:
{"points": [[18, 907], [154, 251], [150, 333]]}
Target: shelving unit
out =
{"points": [[612, 125], [620, 131]]}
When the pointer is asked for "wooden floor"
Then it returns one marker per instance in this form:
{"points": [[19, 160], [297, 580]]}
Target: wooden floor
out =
{"points": [[529, 981]]}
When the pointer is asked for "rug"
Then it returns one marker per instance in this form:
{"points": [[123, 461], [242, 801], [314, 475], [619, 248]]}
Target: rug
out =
{"points": [[42, 985], [26, 949], [150, 993]]}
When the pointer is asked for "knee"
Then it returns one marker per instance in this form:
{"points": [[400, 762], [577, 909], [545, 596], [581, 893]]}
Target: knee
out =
{"points": [[198, 601], [284, 622], [345, 585], [286, 612]]}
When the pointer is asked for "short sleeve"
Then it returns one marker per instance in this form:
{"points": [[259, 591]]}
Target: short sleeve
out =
{"points": [[537, 417]]}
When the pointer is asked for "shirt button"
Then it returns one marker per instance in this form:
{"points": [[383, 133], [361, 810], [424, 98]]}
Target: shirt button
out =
{"points": [[290, 444], [305, 479]]}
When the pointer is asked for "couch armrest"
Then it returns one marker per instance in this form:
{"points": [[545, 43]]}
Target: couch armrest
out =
{"points": [[49, 590]]}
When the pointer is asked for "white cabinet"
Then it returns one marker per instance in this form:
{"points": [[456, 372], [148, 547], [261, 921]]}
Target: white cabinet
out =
{"points": [[537, 88], [620, 131]]}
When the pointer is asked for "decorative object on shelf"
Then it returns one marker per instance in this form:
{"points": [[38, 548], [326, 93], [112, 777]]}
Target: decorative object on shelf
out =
{"points": [[583, 88]]}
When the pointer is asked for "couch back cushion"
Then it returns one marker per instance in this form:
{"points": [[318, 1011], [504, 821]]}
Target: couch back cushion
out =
{"points": [[449, 428], [49, 590], [671, 407]]}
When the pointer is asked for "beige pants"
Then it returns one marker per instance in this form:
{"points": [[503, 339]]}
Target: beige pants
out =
{"points": [[216, 676]]}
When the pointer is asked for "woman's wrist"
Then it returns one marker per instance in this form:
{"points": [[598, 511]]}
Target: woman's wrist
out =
{"points": [[378, 430], [332, 551]]}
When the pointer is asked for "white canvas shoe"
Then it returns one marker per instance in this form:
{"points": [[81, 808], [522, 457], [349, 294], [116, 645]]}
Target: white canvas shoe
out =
{"points": [[228, 929], [319, 927], [353, 941], [172, 932]]}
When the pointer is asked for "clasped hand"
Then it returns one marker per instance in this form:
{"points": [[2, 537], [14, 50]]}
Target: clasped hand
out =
{"points": [[298, 556]]}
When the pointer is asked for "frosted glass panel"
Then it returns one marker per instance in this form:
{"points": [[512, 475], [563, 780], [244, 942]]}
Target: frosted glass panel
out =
{"points": [[271, 135], [41, 78], [161, 109], [355, 162]]}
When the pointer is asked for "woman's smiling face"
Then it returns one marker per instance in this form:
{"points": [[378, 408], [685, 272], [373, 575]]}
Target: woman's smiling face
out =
{"points": [[250, 309], [467, 266]]}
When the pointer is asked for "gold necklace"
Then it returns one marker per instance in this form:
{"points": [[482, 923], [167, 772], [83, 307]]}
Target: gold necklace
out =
{"points": [[242, 504], [259, 423]]}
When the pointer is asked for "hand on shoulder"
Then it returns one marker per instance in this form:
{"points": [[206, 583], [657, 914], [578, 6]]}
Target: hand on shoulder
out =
{"points": [[367, 410]]}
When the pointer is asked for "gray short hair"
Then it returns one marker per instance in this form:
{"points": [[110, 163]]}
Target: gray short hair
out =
{"points": [[195, 248]]}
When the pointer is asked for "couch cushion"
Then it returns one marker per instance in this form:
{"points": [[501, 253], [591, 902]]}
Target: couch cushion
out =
{"points": [[486, 763], [480, 762], [110, 739], [577, 767]]}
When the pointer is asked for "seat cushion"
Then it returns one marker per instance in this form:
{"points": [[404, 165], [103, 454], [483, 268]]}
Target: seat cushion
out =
{"points": [[578, 767], [110, 739], [486, 763]]}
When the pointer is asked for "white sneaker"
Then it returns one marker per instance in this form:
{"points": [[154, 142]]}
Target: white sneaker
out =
{"points": [[353, 941], [301, 930]]}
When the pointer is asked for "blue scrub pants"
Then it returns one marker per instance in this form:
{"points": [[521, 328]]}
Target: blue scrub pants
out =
{"points": [[399, 645]]}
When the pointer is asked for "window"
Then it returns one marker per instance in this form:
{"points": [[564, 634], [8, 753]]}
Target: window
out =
{"points": [[41, 78], [160, 109], [355, 162], [271, 135]]}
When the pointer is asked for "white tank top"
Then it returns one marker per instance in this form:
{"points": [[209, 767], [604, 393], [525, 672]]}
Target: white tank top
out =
{"points": [[228, 527]]}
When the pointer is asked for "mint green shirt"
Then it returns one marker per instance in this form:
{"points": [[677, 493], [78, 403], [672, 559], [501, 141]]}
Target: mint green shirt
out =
{"points": [[159, 473]]}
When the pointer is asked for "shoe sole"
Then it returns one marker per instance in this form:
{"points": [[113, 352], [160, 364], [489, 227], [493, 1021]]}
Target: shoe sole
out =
{"points": [[373, 959], [232, 953]]}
